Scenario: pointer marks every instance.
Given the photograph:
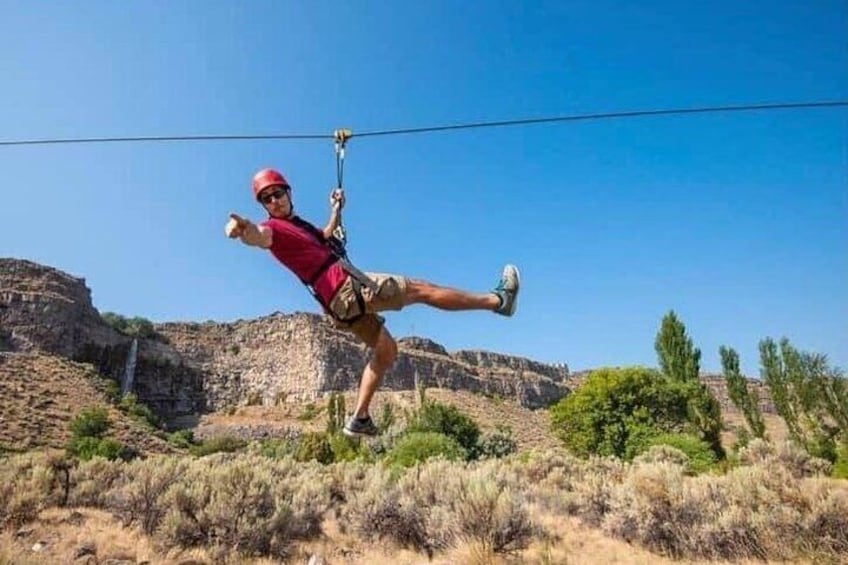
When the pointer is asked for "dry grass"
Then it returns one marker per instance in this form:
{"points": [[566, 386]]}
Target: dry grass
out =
{"points": [[42, 393], [531, 428], [544, 507]]}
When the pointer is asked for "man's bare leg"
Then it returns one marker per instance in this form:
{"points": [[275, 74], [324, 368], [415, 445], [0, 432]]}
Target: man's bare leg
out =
{"points": [[423, 292], [385, 353]]}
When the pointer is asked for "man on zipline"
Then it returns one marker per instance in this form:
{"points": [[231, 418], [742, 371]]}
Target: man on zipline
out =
{"points": [[352, 298]]}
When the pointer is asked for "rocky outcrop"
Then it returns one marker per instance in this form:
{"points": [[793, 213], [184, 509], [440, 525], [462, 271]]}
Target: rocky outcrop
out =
{"points": [[191, 368], [45, 309]]}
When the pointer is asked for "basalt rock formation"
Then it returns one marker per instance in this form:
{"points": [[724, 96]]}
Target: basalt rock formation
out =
{"points": [[190, 368]]}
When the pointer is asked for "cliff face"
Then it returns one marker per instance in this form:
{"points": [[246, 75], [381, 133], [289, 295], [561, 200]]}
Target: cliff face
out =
{"points": [[192, 368], [45, 309]]}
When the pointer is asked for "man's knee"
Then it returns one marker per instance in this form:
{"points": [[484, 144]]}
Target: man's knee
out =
{"points": [[417, 291], [385, 351]]}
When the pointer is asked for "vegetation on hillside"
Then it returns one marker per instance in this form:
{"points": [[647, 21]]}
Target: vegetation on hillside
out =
{"points": [[773, 506]]}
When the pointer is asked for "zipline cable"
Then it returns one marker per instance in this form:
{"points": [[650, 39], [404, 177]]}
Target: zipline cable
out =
{"points": [[473, 125], [609, 115]]}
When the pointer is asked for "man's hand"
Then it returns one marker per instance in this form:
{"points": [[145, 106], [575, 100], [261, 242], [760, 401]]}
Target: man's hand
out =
{"points": [[337, 199], [236, 226]]}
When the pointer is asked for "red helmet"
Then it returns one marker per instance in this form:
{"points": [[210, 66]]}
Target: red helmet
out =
{"points": [[265, 178]]}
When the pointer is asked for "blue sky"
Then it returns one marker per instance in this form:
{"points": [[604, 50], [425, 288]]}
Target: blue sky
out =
{"points": [[738, 222]]}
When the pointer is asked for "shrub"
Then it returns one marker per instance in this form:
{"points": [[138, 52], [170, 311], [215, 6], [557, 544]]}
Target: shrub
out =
{"points": [[90, 422], [134, 327], [499, 443], [492, 517], [314, 445], [445, 419], [700, 458], [86, 448], [222, 444], [92, 480], [310, 412], [416, 447], [249, 504], [348, 449], [840, 466], [140, 411], [615, 404], [277, 448], [183, 439], [27, 486], [141, 498], [378, 509]]}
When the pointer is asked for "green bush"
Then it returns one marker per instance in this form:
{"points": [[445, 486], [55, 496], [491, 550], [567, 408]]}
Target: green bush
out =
{"points": [[617, 411], [183, 439], [416, 447], [840, 466], [134, 327], [223, 444], [314, 445], [86, 448], [277, 448], [701, 457], [140, 411], [448, 420], [348, 449], [90, 422]]}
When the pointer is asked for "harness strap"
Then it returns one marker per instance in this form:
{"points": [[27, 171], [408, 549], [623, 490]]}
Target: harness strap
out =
{"points": [[337, 254]]}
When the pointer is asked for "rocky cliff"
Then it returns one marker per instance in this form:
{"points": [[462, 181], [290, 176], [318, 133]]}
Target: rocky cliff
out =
{"points": [[190, 368]]}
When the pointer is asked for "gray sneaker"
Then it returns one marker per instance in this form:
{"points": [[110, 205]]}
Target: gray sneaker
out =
{"points": [[507, 291], [359, 428]]}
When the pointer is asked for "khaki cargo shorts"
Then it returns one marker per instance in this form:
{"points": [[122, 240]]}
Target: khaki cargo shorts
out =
{"points": [[390, 295]]}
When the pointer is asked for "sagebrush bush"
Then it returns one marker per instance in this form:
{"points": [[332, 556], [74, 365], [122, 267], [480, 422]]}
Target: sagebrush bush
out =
{"points": [[314, 446], [826, 518], [492, 517], [141, 496], [249, 504], [92, 480], [27, 485], [496, 444], [221, 444], [416, 447], [787, 455]]}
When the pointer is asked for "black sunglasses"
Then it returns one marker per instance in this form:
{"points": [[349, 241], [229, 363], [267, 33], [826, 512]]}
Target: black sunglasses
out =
{"points": [[276, 195]]}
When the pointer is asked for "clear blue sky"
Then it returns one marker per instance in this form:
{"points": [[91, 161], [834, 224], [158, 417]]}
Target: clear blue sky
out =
{"points": [[738, 222]]}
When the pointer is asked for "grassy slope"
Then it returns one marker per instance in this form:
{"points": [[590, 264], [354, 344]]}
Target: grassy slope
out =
{"points": [[40, 395]]}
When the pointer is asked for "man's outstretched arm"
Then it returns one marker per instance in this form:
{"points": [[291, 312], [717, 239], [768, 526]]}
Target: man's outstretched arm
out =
{"points": [[248, 232]]}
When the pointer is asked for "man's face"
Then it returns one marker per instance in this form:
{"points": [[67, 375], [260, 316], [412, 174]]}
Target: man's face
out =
{"points": [[277, 201]]}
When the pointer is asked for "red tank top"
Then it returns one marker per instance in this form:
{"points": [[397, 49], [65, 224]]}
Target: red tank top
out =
{"points": [[305, 254]]}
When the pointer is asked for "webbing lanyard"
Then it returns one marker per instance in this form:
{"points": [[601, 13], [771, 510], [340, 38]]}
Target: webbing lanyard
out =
{"points": [[341, 136]]}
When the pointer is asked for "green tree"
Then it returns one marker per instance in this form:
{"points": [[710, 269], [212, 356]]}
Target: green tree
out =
{"points": [[810, 396], [679, 359], [617, 411], [743, 398]]}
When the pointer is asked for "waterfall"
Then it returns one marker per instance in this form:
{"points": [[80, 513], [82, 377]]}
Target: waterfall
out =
{"points": [[129, 371]]}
